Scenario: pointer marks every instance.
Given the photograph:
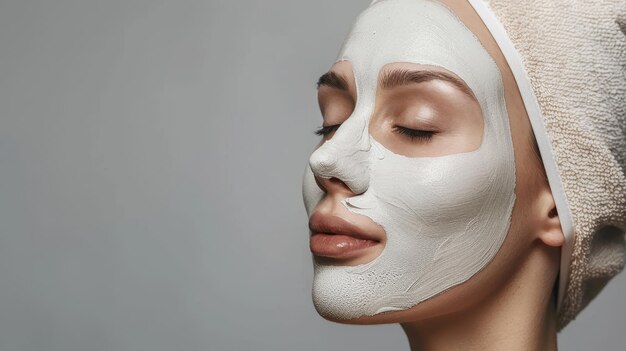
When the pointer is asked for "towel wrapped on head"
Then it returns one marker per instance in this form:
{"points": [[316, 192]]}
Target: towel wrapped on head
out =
{"points": [[572, 65]]}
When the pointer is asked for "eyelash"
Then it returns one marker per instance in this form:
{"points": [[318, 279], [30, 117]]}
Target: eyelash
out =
{"points": [[323, 131], [414, 134]]}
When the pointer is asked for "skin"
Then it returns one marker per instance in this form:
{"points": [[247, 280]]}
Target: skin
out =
{"points": [[510, 304]]}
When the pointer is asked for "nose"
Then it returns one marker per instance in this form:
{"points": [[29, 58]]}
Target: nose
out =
{"points": [[342, 163], [334, 186]]}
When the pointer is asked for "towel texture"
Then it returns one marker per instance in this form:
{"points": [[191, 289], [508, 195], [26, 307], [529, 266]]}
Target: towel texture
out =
{"points": [[574, 53]]}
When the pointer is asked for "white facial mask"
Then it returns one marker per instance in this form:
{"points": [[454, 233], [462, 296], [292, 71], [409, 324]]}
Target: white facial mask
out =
{"points": [[445, 217]]}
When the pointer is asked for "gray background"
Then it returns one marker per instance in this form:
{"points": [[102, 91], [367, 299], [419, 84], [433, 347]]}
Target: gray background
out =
{"points": [[150, 162]]}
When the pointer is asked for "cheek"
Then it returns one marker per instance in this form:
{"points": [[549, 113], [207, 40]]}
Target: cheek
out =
{"points": [[435, 192], [531, 182]]}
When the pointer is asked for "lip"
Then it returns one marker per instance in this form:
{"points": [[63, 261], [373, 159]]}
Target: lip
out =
{"points": [[335, 237]]}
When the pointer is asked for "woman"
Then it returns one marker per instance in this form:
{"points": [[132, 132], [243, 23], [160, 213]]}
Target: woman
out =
{"points": [[470, 182]]}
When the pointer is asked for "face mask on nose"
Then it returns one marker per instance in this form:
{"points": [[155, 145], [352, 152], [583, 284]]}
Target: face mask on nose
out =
{"points": [[445, 217]]}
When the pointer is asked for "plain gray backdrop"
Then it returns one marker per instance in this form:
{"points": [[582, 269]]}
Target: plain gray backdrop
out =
{"points": [[151, 155]]}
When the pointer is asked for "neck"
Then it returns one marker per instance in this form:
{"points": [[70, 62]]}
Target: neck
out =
{"points": [[521, 316]]}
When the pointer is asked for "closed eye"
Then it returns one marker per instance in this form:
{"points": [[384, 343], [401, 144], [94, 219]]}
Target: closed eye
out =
{"points": [[323, 131], [415, 134]]}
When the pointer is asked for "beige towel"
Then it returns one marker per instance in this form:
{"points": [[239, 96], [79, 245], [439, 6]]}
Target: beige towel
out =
{"points": [[573, 53]]}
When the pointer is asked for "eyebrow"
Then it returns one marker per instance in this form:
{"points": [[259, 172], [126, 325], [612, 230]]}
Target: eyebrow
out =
{"points": [[400, 77], [332, 80]]}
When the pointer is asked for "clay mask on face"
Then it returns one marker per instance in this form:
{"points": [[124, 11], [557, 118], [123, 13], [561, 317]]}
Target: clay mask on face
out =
{"points": [[445, 217]]}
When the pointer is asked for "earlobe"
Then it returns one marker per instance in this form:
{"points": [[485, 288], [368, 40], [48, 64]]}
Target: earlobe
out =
{"points": [[551, 233]]}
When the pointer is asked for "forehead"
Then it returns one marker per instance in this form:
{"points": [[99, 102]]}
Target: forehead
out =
{"points": [[415, 31]]}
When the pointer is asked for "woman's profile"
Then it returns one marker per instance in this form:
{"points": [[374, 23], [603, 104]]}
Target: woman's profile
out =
{"points": [[470, 179]]}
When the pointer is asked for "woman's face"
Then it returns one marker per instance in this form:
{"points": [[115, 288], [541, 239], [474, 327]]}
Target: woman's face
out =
{"points": [[411, 191]]}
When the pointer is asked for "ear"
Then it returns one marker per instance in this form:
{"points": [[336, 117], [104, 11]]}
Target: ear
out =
{"points": [[549, 227]]}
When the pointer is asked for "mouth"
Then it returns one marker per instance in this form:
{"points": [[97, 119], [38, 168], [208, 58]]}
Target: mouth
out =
{"points": [[335, 238]]}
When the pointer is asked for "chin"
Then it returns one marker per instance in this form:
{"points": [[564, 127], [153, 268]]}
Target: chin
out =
{"points": [[381, 318], [447, 302], [335, 315], [413, 314]]}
